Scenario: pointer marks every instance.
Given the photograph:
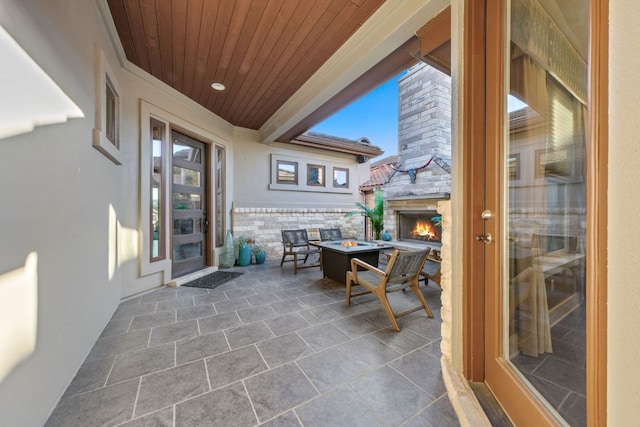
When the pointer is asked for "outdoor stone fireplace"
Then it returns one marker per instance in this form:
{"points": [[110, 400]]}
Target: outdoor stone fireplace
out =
{"points": [[422, 175], [415, 220], [420, 227]]}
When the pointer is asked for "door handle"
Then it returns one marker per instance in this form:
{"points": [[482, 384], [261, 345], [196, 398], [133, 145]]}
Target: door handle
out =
{"points": [[485, 238], [487, 215], [205, 225]]}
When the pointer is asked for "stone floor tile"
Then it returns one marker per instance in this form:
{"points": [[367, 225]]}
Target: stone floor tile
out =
{"points": [[173, 304], [320, 315], [131, 310], [235, 365], [166, 388], [231, 305], [330, 368], [341, 308], [90, 376], [142, 362], [102, 407], [184, 291], [440, 413], [315, 300], [239, 293], [196, 312], [404, 342], [323, 336], [118, 344], [218, 322], [394, 398], [340, 407], [278, 390], [283, 349], [161, 418], [434, 349], [286, 323], [148, 321], [423, 370], [200, 347], [369, 351], [286, 420], [263, 299], [116, 327], [162, 294], [174, 332], [248, 334], [211, 298], [288, 306], [254, 314], [355, 326], [286, 391], [291, 292], [225, 407], [426, 326]]}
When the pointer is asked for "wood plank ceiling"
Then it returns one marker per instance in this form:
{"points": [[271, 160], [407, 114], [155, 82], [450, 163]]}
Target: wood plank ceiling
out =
{"points": [[263, 51]]}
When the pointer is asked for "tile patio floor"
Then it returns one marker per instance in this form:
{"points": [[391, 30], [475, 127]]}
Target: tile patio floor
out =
{"points": [[269, 348]]}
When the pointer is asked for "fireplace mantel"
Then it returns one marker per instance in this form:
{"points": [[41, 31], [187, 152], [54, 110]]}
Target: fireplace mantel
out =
{"points": [[413, 203]]}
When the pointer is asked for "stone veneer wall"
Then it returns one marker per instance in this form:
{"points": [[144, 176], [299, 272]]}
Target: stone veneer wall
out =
{"points": [[265, 224], [462, 397]]}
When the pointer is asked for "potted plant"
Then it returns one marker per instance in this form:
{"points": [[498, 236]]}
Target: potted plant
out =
{"points": [[375, 214], [244, 250], [259, 253]]}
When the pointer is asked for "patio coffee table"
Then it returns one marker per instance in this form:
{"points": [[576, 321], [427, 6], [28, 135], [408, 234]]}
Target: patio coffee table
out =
{"points": [[336, 259]]}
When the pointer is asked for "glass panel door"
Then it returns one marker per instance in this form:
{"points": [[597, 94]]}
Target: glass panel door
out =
{"points": [[541, 342], [188, 198]]}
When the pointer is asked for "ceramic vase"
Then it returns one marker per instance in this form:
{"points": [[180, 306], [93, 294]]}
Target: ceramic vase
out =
{"points": [[227, 258], [261, 257], [244, 255]]}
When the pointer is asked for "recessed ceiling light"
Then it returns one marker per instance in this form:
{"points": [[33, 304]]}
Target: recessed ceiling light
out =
{"points": [[218, 86]]}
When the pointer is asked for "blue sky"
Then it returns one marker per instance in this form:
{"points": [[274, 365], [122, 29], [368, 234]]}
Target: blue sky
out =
{"points": [[374, 115]]}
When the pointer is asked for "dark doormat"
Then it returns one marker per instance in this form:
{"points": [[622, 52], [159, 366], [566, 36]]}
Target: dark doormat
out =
{"points": [[213, 280]]}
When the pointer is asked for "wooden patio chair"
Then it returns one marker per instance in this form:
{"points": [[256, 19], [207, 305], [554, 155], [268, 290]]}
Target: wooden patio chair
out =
{"points": [[330, 234], [431, 269], [403, 271], [296, 244]]}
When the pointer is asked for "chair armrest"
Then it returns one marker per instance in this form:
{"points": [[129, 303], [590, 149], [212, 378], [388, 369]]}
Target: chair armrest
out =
{"points": [[355, 262], [288, 246]]}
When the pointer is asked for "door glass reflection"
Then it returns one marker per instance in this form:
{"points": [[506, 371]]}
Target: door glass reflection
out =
{"points": [[545, 169]]}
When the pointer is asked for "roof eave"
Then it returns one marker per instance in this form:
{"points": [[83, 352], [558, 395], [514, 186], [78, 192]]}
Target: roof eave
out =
{"points": [[338, 146]]}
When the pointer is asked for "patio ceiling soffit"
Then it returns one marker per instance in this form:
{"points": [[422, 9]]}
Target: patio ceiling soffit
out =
{"points": [[391, 26]]}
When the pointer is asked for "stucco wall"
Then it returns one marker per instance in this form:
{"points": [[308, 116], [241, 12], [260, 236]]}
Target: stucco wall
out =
{"points": [[252, 175], [71, 205], [624, 202], [57, 191]]}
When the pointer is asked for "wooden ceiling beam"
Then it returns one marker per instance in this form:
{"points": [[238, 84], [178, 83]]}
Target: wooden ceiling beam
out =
{"points": [[399, 60], [435, 42]]}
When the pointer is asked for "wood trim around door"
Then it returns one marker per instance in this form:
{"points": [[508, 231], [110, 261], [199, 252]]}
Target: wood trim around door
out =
{"points": [[473, 201], [597, 183]]}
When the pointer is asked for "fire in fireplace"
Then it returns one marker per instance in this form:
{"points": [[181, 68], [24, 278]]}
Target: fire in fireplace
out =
{"points": [[423, 226]]}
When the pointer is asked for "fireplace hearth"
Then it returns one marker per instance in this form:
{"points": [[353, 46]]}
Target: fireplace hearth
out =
{"points": [[422, 227]]}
